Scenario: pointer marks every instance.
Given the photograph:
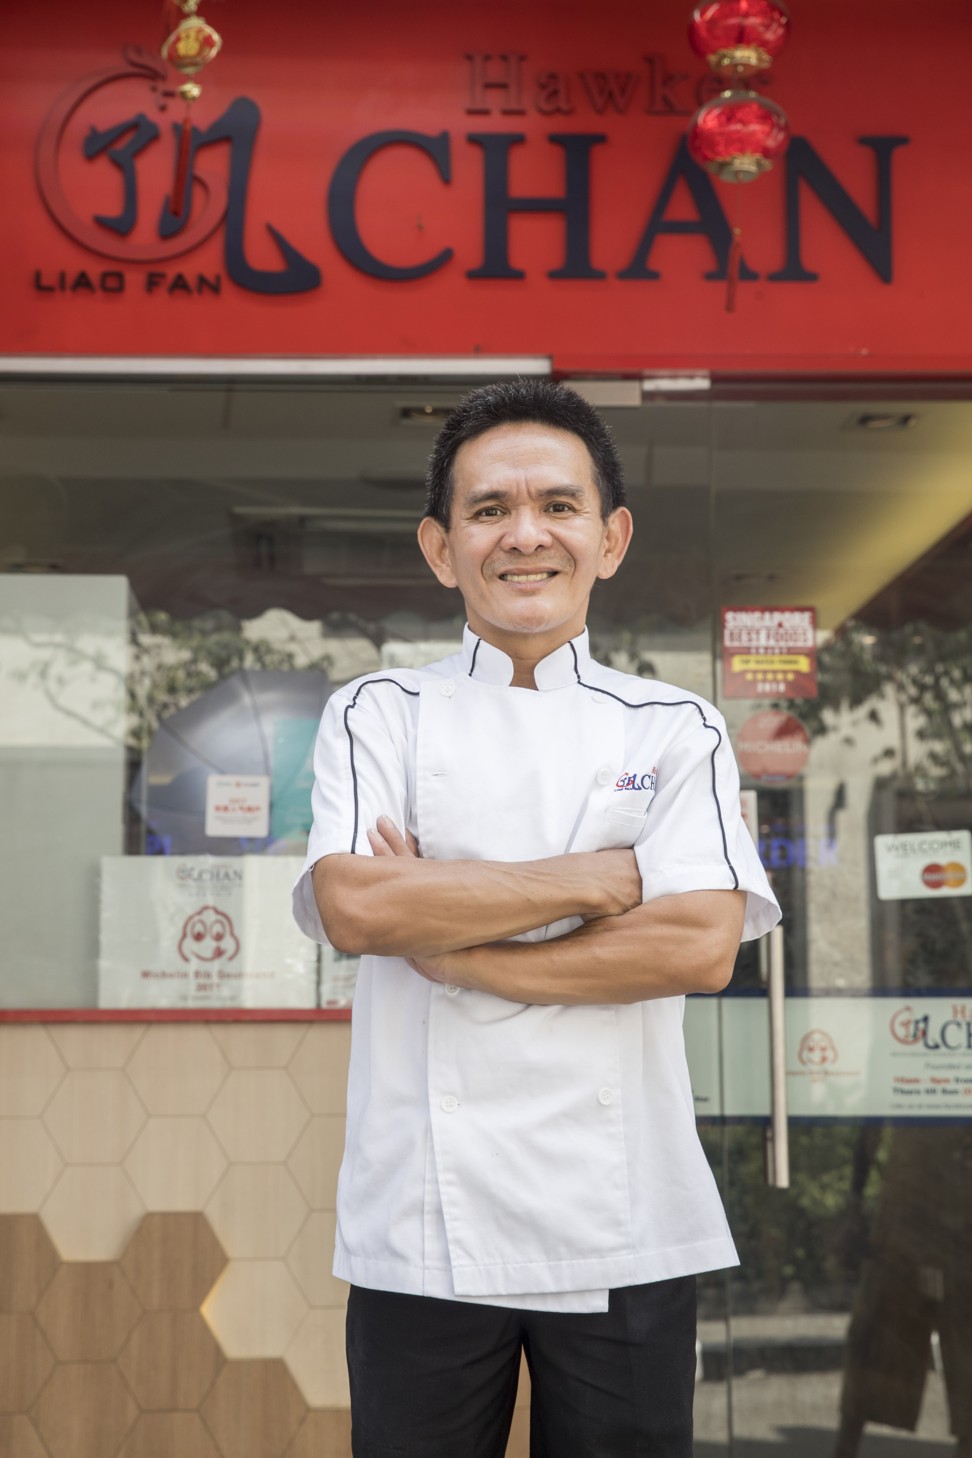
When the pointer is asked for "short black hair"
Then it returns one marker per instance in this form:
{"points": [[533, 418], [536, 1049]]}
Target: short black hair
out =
{"points": [[523, 402]]}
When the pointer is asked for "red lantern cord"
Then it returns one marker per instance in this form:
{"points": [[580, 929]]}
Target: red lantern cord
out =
{"points": [[180, 187], [189, 46], [732, 270]]}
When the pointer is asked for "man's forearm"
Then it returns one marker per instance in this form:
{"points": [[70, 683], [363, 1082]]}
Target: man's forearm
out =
{"points": [[403, 906], [674, 945]]}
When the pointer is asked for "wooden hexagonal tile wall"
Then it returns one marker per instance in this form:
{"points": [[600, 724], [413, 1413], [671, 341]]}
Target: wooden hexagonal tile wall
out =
{"points": [[19, 1438], [257, 1210], [173, 1261], [309, 1259], [94, 1116], [170, 1360], [32, 1070], [94, 1045], [255, 1309], [85, 1410], [25, 1361], [87, 1311], [316, 1359], [258, 1115], [326, 1430], [258, 1045], [29, 1164], [175, 1164], [170, 1435], [91, 1212], [254, 1409], [177, 1069], [316, 1158], [28, 1260], [319, 1067]]}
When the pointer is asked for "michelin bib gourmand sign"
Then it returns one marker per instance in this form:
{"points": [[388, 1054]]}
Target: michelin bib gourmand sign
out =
{"points": [[202, 932]]}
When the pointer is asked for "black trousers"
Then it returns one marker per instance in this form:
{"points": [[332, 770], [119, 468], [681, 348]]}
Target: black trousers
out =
{"points": [[437, 1379]]}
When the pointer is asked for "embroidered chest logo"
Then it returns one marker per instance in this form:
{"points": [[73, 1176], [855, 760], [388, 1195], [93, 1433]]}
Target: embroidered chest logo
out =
{"points": [[627, 781]]}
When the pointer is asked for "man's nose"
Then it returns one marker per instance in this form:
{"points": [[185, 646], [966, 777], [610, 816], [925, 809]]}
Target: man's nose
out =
{"points": [[526, 530]]}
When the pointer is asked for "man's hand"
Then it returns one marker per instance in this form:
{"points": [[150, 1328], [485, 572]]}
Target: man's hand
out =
{"points": [[386, 840], [446, 968]]}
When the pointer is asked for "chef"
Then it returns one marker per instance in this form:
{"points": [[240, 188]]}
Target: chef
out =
{"points": [[536, 857]]}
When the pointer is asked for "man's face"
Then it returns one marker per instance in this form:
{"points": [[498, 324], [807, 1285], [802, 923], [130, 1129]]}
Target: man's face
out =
{"points": [[526, 539]]}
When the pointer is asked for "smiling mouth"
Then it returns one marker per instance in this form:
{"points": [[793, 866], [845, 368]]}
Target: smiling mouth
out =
{"points": [[527, 576]]}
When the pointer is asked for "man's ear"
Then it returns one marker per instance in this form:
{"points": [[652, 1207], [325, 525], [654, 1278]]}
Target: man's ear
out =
{"points": [[433, 539], [617, 539]]}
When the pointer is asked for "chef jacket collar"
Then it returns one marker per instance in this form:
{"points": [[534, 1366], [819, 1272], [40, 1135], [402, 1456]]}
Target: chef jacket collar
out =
{"points": [[564, 666]]}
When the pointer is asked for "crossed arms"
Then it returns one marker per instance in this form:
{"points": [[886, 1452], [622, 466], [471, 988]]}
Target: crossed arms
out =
{"points": [[450, 921]]}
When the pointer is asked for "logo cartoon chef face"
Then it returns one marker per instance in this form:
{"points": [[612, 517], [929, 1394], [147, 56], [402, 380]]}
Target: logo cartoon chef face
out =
{"points": [[208, 936], [817, 1049]]}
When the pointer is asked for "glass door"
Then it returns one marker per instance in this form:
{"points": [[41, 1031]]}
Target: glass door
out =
{"points": [[842, 624], [290, 561]]}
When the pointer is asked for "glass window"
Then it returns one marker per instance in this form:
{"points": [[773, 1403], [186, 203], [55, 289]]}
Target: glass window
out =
{"points": [[187, 572]]}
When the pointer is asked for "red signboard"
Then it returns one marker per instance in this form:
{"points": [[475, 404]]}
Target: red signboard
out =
{"points": [[455, 180], [769, 653]]}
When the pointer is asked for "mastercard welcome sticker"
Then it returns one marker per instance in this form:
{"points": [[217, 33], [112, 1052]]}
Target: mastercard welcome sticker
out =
{"points": [[923, 863]]}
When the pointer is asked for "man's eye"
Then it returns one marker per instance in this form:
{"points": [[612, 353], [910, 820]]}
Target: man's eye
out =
{"points": [[488, 511], [561, 506]]}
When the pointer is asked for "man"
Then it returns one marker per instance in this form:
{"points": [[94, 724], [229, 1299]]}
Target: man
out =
{"points": [[537, 857]]}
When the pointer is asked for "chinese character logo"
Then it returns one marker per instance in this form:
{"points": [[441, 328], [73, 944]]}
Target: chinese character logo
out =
{"points": [[906, 1028], [125, 153]]}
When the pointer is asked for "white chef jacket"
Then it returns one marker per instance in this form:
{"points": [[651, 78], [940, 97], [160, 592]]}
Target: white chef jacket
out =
{"points": [[522, 1155]]}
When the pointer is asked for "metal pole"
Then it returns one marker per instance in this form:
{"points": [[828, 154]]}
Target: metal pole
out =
{"points": [[777, 1135]]}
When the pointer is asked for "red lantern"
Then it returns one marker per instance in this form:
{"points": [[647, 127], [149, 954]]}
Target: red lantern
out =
{"points": [[190, 46], [739, 37], [738, 135]]}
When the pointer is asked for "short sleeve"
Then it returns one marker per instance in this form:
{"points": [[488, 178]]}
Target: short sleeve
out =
{"points": [[360, 772], [694, 837]]}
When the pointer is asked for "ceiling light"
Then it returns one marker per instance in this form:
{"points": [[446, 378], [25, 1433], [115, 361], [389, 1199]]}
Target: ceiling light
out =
{"points": [[885, 422], [608, 393], [675, 384], [424, 414], [380, 521]]}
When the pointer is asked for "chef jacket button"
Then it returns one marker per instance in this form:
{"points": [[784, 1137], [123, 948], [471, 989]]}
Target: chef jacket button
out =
{"points": [[605, 1096], [448, 1104], [597, 698], [450, 990], [447, 690], [604, 775]]}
